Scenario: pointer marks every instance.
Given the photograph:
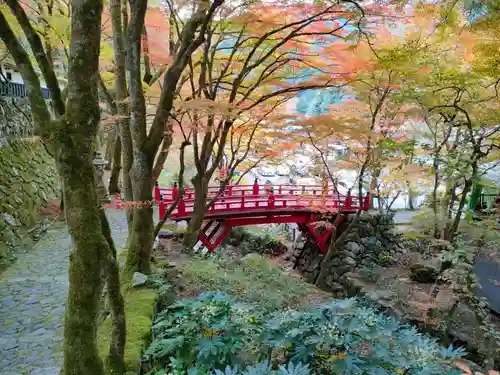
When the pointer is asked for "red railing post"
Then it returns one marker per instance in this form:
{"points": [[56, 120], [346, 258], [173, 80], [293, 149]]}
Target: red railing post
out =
{"points": [[118, 201], [175, 192], [348, 200], [270, 199], [367, 201], [162, 208], [157, 193], [255, 188], [181, 207]]}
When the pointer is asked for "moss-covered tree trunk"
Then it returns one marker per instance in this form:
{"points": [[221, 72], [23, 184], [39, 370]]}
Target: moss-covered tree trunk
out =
{"points": [[75, 137], [141, 239], [115, 361], [119, 33], [86, 258], [145, 143], [200, 208], [71, 140]]}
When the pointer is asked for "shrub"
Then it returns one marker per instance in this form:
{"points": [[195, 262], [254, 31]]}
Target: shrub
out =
{"points": [[216, 334]]}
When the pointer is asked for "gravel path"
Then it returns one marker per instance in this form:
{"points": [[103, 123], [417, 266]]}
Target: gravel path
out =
{"points": [[32, 302]]}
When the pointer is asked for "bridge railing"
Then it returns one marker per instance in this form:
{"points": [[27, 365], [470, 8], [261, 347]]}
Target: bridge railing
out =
{"points": [[241, 198]]}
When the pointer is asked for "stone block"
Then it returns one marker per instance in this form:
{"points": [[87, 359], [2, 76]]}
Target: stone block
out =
{"points": [[349, 261], [353, 247]]}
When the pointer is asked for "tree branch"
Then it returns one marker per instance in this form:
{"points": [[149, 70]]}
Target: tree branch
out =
{"points": [[41, 114], [40, 55]]}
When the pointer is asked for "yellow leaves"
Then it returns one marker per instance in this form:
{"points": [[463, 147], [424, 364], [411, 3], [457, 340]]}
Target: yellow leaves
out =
{"points": [[108, 77], [338, 356], [107, 54], [59, 29], [11, 19]]}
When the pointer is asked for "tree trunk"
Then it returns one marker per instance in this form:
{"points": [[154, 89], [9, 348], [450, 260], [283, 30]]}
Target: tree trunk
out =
{"points": [[86, 259], [141, 239], [115, 361], [435, 196], [72, 138], [452, 228], [114, 187], [163, 154], [117, 10], [110, 146], [200, 207], [75, 139], [411, 196], [332, 251]]}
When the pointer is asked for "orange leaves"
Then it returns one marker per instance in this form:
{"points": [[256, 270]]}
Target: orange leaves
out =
{"points": [[206, 107], [157, 25]]}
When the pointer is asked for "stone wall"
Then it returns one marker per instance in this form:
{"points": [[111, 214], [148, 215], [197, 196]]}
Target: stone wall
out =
{"points": [[371, 240], [28, 178], [15, 119]]}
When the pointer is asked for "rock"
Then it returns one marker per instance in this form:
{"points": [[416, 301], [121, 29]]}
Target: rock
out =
{"points": [[353, 247], [370, 243], [9, 219], [139, 279], [166, 233], [422, 273], [349, 254], [336, 261], [353, 237], [32, 301], [349, 261]]}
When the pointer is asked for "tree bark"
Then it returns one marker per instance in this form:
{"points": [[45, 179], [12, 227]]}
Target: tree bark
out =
{"points": [[75, 142], [115, 360], [163, 154], [200, 185], [114, 187], [452, 228], [435, 196], [141, 239], [108, 155], [119, 27], [181, 190]]}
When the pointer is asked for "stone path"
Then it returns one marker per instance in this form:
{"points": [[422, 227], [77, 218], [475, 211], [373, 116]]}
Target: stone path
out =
{"points": [[32, 299]]}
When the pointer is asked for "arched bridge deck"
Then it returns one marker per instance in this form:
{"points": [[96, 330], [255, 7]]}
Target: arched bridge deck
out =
{"points": [[239, 205]]}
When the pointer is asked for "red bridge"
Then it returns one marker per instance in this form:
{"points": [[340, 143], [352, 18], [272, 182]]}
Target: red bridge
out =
{"points": [[239, 205]]}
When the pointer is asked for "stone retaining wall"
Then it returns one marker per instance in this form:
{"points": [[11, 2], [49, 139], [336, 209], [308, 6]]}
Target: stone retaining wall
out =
{"points": [[28, 178], [371, 240]]}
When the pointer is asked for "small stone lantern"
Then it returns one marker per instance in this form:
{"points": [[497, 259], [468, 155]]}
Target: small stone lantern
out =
{"points": [[99, 164]]}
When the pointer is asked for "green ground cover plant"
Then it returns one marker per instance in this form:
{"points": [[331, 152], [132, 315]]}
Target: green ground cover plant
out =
{"points": [[217, 334]]}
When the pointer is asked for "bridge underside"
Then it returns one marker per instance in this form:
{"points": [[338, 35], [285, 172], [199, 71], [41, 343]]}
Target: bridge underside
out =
{"points": [[217, 227]]}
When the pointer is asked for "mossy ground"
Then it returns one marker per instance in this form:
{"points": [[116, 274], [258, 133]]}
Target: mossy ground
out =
{"points": [[139, 309], [251, 278]]}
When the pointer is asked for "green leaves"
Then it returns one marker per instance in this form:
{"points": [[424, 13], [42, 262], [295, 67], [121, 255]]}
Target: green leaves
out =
{"points": [[345, 336]]}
